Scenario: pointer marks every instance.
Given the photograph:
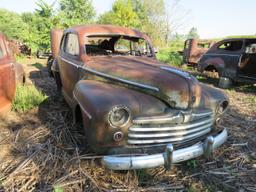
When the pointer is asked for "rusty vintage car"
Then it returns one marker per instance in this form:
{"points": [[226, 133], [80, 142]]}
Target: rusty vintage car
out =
{"points": [[11, 73], [234, 60], [194, 49], [137, 112]]}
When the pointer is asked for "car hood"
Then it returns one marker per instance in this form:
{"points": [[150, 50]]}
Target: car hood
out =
{"points": [[175, 87]]}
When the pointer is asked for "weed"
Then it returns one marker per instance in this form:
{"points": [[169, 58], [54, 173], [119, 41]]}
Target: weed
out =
{"points": [[172, 58], [200, 77], [58, 189], [27, 97], [38, 65], [142, 175], [192, 164]]}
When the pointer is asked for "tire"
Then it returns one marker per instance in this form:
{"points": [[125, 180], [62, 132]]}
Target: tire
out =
{"points": [[58, 81], [49, 65], [24, 80], [225, 83]]}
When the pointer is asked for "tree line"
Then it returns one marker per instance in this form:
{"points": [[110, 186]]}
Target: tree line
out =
{"points": [[33, 28]]}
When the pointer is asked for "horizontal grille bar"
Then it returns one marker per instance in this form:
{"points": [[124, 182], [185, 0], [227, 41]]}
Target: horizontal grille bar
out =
{"points": [[170, 117], [204, 114], [169, 134], [172, 128], [167, 140]]}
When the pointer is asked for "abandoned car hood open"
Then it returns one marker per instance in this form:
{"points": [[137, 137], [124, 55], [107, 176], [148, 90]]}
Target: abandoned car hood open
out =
{"points": [[175, 87]]}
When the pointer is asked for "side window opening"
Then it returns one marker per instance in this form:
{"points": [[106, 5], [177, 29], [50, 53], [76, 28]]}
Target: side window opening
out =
{"points": [[72, 44], [231, 46], [117, 45], [187, 44], [2, 49], [63, 40], [203, 45], [250, 47]]}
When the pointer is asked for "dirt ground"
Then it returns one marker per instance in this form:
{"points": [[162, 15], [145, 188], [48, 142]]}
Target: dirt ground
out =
{"points": [[41, 151]]}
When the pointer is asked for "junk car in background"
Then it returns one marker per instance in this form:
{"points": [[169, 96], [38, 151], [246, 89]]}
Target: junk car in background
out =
{"points": [[233, 59], [11, 73], [137, 112], [194, 49], [18, 48]]}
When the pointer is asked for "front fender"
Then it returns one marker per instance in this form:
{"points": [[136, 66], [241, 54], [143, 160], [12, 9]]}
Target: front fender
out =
{"points": [[212, 97], [96, 99]]}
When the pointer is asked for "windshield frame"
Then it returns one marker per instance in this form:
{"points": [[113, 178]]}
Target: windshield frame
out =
{"points": [[125, 37]]}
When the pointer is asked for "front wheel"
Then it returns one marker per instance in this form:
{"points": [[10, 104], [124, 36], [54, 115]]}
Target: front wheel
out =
{"points": [[49, 65], [57, 78]]}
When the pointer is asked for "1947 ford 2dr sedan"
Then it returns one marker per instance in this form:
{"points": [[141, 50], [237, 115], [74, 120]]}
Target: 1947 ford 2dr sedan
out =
{"points": [[137, 112], [10, 74]]}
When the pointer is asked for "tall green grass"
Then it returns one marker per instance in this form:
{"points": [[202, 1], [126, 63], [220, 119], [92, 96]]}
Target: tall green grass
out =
{"points": [[27, 97], [170, 57]]}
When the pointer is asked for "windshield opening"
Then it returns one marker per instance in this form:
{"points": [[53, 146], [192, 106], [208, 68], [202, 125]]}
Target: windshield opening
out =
{"points": [[117, 45]]}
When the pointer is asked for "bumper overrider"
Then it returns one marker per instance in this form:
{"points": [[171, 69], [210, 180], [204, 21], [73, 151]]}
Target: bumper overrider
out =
{"points": [[167, 158]]}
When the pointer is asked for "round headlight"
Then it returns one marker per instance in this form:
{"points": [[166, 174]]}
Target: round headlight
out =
{"points": [[222, 107], [119, 116]]}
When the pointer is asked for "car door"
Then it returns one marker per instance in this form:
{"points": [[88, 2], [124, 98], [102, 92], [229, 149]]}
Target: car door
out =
{"points": [[247, 66], [231, 52], [227, 55], [7, 77], [69, 61]]}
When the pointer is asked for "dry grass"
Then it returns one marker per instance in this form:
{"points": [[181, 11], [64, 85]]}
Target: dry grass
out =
{"points": [[41, 151]]}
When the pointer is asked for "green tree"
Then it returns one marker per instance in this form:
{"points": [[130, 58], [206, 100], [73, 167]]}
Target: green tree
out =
{"points": [[154, 25], [43, 21], [122, 14], [32, 36], [74, 12], [40, 24], [140, 10], [13, 26], [193, 33]]}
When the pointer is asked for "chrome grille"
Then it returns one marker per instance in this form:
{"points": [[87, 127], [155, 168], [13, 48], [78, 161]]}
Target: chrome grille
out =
{"points": [[151, 133]]}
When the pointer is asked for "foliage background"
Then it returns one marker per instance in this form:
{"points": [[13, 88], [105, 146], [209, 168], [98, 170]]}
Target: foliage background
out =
{"points": [[157, 19], [33, 28]]}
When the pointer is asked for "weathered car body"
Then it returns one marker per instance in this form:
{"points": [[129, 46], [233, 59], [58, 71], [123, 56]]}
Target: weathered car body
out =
{"points": [[10, 74], [234, 59], [194, 49], [138, 112]]}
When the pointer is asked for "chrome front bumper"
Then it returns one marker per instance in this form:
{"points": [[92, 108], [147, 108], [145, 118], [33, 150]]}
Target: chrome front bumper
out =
{"points": [[167, 158]]}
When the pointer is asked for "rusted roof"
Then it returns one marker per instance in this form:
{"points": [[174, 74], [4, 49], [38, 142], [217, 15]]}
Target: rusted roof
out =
{"points": [[88, 30], [238, 39]]}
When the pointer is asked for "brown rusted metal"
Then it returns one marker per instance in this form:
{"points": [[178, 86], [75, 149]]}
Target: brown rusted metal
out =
{"points": [[194, 49], [56, 35], [7, 77], [233, 59], [10, 74], [95, 85]]}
